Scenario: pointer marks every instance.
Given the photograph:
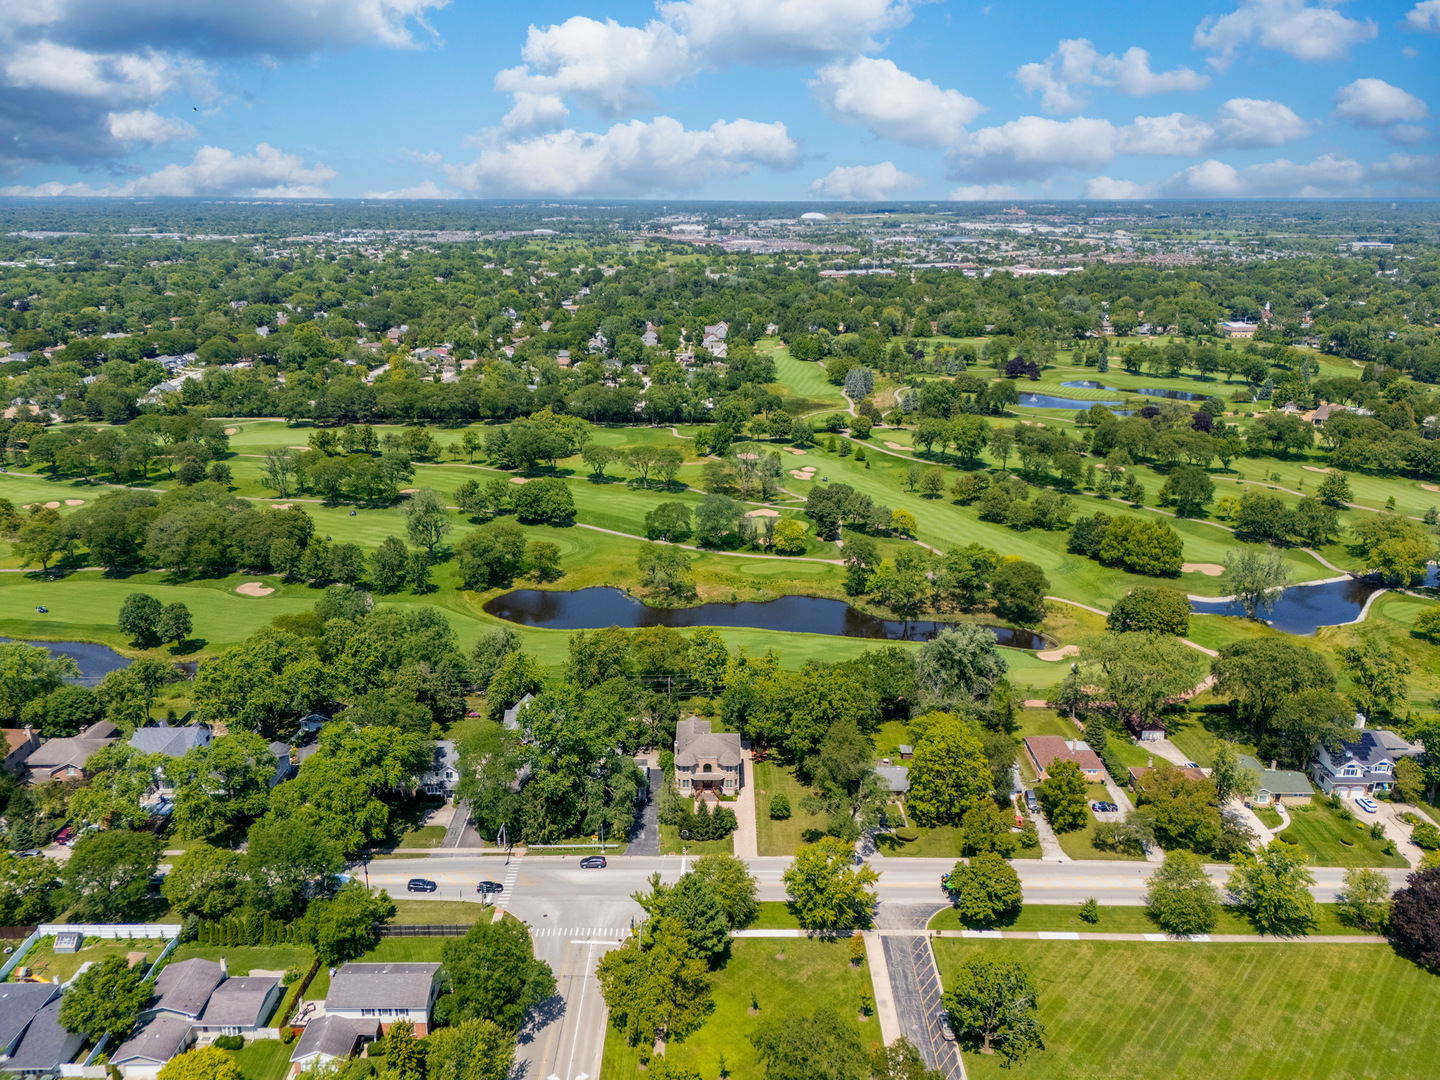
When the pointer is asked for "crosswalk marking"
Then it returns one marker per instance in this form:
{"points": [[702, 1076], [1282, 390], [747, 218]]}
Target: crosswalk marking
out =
{"points": [[604, 932], [512, 873]]}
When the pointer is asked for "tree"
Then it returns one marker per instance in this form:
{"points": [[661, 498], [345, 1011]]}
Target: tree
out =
{"points": [[1140, 672], [1335, 489], [949, 773], [1377, 672], [668, 521], [204, 882], [1189, 488], [1180, 897], [28, 887], [654, 990], [140, 619], [202, 1063], [518, 674], [387, 564], [547, 499], [1275, 885], [108, 873], [426, 520], [993, 1001], [1018, 589], [826, 892], [491, 555], [105, 999], [1415, 918], [851, 794], [666, 570], [174, 624], [1231, 779], [1255, 576], [900, 1061], [822, 1046], [789, 537], [343, 927], [495, 975], [932, 482], [1157, 609], [43, 536], [986, 890], [542, 558], [288, 862], [471, 1050], [730, 880], [716, 517], [1062, 796], [1262, 674], [690, 904], [30, 673], [959, 665], [1365, 901]]}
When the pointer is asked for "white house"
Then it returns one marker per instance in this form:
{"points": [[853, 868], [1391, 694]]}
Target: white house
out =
{"points": [[444, 771], [1364, 765], [331, 1038]]}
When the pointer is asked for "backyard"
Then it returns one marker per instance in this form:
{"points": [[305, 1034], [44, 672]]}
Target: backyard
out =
{"points": [[43, 961]]}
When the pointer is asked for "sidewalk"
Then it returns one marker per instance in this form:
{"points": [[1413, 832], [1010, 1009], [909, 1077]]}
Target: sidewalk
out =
{"points": [[884, 991]]}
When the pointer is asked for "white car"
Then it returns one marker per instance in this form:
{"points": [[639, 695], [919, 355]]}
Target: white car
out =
{"points": [[1368, 805]]}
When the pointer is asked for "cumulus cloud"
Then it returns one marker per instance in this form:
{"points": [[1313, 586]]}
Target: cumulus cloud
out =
{"points": [[1329, 175], [1422, 170], [1305, 31], [784, 29], [1424, 16], [873, 183], [267, 173], [1240, 122], [427, 190], [1375, 103], [144, 126], [630, 159], [1033, 146], [983, 193], [894, 104], [1075, 65]]}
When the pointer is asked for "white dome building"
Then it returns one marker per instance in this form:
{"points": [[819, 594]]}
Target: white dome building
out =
{"points": [[813, 215]]}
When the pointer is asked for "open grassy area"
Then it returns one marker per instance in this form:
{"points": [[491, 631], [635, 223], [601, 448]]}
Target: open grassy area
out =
{"points": [[1330, 840], [264, 1059], [775, 915], [43, 961], [439, 912], [1129, 919], [1138, 1011], [785, 836], [813, 974], [671, 843], [1268, 816]]}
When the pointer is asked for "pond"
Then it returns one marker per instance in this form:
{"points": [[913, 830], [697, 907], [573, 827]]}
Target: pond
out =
{"points": [[1302, 609], [1046, 401], [1148, 391], [594, 608], [95, 661]]}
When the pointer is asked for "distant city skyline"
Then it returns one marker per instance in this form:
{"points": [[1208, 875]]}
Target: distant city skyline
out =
{"points": [[794, 100]]}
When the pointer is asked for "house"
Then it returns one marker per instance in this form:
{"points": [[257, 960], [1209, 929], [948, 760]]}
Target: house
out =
{"points": [[20, 1003], [906, 752], [444, 771], [896, 779], [1044, 750], [563, 358], [173, 742], [332, 1038], [145, 1053], [1364, 765], [241, 1005], [1279, 785], [43, 1045], [1237, 329], [311, 725], [719, 330], [706, 760], [184, 989], [20, 743], [511, 719], [385, 992], [1187, 771], [284, 767], [64, 759]]}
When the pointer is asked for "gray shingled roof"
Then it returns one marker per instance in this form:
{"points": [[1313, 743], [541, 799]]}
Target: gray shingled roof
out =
{"points": [[45, 1045], [185, 987], [896, 778], [512, 714], [694, 740], [171, 741], [334, 1036], [74, 750], [384, 986], [159, 1040], [18, 1003], [238, 1002]]}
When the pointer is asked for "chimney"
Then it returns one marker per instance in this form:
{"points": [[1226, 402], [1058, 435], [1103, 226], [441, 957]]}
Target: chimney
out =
{"points": [[224, 968], [1272, 764]]}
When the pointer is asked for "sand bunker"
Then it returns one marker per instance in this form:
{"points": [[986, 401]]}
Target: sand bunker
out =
{"points": [[801, 474], [793, 450], [519, 479], [298, 446], [254, 588], [282, 506], [408, 491], [232, 431], [74, 502], [52, 506], [1314, 468], [1060, 653], [1430, 487], [763, 513], [897, 446], [1209, 569]]}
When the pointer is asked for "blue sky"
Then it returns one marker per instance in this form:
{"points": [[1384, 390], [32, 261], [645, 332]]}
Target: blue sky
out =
{"points": [[746, 99]]}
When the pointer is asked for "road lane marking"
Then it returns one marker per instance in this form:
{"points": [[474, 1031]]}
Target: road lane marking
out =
{"points": [[580, 1010]]}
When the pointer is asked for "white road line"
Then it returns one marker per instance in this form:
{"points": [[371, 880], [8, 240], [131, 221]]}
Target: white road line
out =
{"points": [[579, 1014]]}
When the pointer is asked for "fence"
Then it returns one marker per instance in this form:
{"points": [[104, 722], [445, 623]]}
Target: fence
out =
{"points": [[107, 931], [423, 930]]}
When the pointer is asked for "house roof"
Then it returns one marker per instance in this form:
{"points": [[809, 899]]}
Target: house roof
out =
{"points": [[1185, 771], [1396, 743], [15, 738], [1047, 749], [334, 1036], [46, 1045], [185, 987], [1278, 781], [512, 715], [74, 749], [171, 741], [1366, 749], [390, 986], [694, 740], [239, 1002], [18, 1003], [159, 1040], [896, 777]]}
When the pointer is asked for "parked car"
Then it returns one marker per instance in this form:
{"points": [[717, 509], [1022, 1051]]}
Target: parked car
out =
{"points": [[66, 835], [488, 887], [31, 854], [1191, 765], [420, 884], [1031, 801], [1368, 805], [593, 862], [946, 1031]]}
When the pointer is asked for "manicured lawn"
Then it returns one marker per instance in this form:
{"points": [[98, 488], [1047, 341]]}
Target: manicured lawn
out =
{"points": [[813, 974], [1268, 817], [1331, 841], [1129, 919], [243, 959], [44, 961], [425, 836], [264, 1059], [775, 915], [1141, 1011], [439, 912], [782, 837], [671, 844]]}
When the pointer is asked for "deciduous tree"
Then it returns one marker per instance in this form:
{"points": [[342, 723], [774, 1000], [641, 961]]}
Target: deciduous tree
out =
{"points": [[828, 892], [993, 1002]]}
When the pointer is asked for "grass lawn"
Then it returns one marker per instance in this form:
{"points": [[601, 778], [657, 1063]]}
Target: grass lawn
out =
{"points": [[671, 844], [1331, 841], [1127, 1011], [1268, 816], [775, 915], [1080, 843], [264, 1059], [782, 837], [440, 912], [812, 975], [244, 959], [44, 961], [424, 836], [1129, 919]]}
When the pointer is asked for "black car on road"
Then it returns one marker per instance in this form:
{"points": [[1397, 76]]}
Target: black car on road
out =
{"points": [[593, 862], [420, 884], [489, 887]]}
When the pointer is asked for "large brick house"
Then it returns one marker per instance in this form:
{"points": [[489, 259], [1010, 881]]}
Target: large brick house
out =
{"points": [[706, 760]]}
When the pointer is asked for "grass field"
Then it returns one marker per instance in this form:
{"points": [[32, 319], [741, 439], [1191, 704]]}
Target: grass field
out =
{"points": [[1123, 1011], [782, 837], [813, 974], [439, 912], [264, 1059], [45, 962], [1330, 840], [1129, 919], [671, 843]]}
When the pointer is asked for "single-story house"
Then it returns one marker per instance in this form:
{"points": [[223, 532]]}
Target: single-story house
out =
{"points": [[1186, 771], [896, 779], [241, 1005], [64, 759], [332, 1038], [1279, 785], [906, 752], [44, 1045], [173, 742], [144, 1054], [20, 743], [19, 1002], [183, 989], [1044, 750], [385, 992], [706, 760], [284, 767]]}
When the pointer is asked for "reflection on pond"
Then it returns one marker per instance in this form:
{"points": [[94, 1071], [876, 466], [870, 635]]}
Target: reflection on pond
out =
{"points": [[594, 608], [95, 661], [1046, 401], [1301, 609]]}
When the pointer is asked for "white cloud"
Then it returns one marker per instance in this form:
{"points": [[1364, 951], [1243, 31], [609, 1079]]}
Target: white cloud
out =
{"points": [[784, 29], [142, 125], [1424, 16], [1422, 170], [112, 77], [1033, 146], [1329, 175], [873, 183], [1240, 122], [631, 159], [1306, 32], [1076, 64], [894, 104], [267, 173], [1375, 103], [427, 190], [1104, 187], [983, 193]]}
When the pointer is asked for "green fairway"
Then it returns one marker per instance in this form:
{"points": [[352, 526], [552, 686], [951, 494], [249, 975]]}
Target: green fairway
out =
{"points": [[1141, 1011], [813, 974]]}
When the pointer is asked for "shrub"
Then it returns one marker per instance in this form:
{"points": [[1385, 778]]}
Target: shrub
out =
{"points": [[230, 1042], [1289, 837], [1090, 911], [779, 806], [1427, 836]]}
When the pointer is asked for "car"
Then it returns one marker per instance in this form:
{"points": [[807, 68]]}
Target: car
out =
{"points": [[1099, 807], [946, 1031], [1191, 765], [489, 887], [65, 835], [1368, 805], [420, 884], [31, 854], [593, 862], [1032, 802]]}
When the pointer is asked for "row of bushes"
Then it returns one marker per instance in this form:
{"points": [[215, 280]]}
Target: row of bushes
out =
{"points": [[251, 930]]}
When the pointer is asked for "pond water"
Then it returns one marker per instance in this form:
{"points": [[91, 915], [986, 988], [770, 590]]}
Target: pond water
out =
{"points": [[1302, 609], [1047, 401], [594, 608], [1148, 391], [1090, 384], [95, 661]]}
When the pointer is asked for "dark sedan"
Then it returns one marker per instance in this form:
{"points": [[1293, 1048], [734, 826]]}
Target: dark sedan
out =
{"points": [[420, 884], [489, 887]]}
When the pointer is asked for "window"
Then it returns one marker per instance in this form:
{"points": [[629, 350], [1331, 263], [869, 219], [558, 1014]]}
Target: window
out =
{"points": [[368, 1012]]}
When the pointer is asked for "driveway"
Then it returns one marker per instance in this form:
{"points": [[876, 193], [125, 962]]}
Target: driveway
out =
{"points": [[646, 839], [915, 985], [747, 843], [1050, 849], [1395, 829]]}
